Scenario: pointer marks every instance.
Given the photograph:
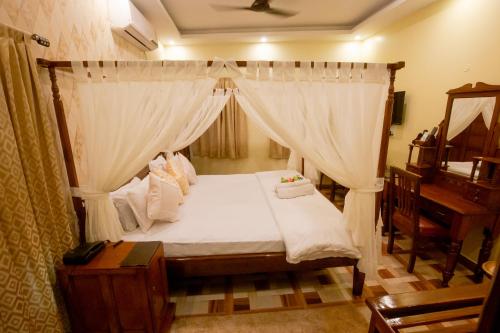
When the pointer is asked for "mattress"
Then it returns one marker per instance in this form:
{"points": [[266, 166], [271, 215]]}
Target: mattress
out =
{"points": [[222, 214]]}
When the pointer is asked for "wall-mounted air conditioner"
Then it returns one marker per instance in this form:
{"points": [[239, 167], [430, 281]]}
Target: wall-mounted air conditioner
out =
{"points": [[128, 22]]}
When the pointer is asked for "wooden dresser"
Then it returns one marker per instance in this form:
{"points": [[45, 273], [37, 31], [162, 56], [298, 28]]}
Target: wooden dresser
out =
{"points": [[102, 296], [460, 170]]}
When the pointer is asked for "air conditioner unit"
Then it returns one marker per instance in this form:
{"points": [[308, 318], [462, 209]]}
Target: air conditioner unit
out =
{"points": [[128, 22]]}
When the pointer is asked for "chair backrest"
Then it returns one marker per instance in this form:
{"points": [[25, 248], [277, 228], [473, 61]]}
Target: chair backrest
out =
{"points": [[404, 193]]}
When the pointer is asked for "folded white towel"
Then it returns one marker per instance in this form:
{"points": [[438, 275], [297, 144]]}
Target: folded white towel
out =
{"points": [[292, 184], [295, 191]]}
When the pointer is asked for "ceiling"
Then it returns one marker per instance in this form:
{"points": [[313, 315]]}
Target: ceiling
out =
{"points": [[201, 18], [196, 21]]}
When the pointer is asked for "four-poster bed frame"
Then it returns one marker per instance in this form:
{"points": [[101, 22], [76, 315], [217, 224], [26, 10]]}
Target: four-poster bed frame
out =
{"points": [[223, 264]]}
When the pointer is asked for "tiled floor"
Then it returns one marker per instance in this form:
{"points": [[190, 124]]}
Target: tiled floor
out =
{"points": [[320, 289], [301, 290]]}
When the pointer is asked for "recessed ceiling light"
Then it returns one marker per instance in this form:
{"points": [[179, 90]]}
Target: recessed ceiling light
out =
{"points": [[357, 37], [263, 39]]}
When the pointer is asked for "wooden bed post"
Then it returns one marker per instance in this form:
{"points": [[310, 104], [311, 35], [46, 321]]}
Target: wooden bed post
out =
{"points": [[67, 152], [384, 143]]}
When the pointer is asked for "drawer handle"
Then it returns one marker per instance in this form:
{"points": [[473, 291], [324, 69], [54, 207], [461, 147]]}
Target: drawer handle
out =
{"points": [[440, 213]]}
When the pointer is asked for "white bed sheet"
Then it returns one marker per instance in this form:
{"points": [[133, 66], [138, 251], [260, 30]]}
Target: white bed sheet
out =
{"points": [[222, 214]]}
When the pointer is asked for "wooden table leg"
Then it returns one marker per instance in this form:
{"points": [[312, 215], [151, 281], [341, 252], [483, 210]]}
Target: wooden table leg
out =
{"points": [[484, 254], [451, 261]]}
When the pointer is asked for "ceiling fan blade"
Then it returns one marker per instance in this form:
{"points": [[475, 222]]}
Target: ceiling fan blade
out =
{"points": [[223, 8], [281, 12]]}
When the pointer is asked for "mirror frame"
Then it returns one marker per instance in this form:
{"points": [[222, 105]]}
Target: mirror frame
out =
{"points": [[492, 146]]}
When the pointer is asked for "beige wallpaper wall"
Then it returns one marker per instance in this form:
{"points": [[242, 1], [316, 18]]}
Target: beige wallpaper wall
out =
{"points": [[77, 29]]}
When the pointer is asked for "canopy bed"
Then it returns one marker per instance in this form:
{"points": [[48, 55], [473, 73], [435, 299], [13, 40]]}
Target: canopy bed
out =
{"points": [[280, 97], [460, 169]]}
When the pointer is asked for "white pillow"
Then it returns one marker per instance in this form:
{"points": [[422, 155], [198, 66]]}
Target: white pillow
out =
{"points": [[188, 168], [159, 162], [137, 199], [125, 213], [175, 168], [164, 175], [163, 198]]}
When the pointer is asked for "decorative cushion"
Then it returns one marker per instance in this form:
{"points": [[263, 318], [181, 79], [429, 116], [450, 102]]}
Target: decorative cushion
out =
{"points": [[158, 163], [165, 176], [188, 168], [125, 213], [137, 199], [163, 199], [174, 167]]}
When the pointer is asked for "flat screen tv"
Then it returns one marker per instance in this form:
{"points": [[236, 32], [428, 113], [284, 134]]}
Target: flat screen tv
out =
{"points": [[398, 107]]}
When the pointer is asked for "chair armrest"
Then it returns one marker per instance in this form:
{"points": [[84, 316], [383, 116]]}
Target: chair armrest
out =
{"points": [[428, 301]]}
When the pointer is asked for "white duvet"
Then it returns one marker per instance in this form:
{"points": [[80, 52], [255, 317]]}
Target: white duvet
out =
{"points": [[311, 227]]}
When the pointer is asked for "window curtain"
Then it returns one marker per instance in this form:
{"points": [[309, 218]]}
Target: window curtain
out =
{"points": [[465, 110], [36, 217], [277, 151], [131, 111], [332, 114], [227, 137]]}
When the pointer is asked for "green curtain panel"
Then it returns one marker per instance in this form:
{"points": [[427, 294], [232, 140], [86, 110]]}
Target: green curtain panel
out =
{"points": [[36, 223]]}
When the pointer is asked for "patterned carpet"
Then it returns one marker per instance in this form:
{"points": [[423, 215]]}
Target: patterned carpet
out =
{"points": [[320, 290], [311, 289]]}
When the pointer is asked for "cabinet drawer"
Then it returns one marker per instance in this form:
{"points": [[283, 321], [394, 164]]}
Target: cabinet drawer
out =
{"points": [[436, 212]]}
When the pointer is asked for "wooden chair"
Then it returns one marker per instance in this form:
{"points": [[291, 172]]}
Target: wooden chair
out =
{"points": [[393, 313], [404, 213], [333, 186]]}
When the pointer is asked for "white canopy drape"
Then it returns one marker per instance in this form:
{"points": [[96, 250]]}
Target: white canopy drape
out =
{"points": [[295, 163], [131, 111], [465, 110], [333, 117]]}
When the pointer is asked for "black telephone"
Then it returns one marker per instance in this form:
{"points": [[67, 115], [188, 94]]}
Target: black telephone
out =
{"points": [[82, 254]]}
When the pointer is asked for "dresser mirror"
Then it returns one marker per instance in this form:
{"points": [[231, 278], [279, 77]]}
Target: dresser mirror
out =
{"points": [[471, 127], [470, 121]]}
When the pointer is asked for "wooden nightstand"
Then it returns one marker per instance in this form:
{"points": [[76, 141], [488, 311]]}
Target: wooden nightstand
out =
{"points": [[102, 296]]}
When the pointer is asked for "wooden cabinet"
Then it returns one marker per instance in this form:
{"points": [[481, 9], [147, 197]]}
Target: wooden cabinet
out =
{"points": [[101, 296]]}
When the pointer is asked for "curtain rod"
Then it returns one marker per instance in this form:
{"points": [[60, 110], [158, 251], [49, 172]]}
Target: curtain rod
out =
{"points": [[37, 38], [241, 63]]}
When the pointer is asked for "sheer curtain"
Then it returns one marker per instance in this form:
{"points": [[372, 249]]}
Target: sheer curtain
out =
{"points": [[295, 163], [227, 136], [130, 111], [332, 115], [465, 110]]}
